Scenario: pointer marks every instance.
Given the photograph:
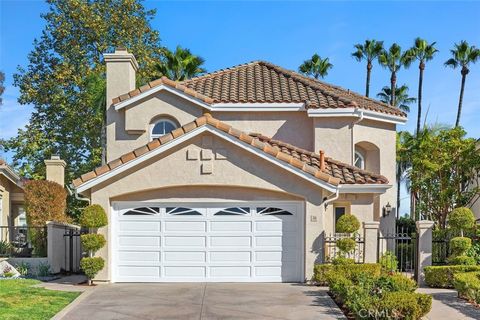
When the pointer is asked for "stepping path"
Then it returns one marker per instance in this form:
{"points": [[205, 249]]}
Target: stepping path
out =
{"points": [[447, 305]]}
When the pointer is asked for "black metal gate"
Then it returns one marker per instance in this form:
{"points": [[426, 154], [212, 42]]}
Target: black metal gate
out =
{"points": [[73, 250], [397, 251]]}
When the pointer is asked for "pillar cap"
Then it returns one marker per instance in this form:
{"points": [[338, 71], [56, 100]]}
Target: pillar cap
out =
{"points": [[424, 224], [371, 225]]}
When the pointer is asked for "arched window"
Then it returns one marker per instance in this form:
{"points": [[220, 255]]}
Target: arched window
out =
{"points": [[359, 160], [161, 127]]}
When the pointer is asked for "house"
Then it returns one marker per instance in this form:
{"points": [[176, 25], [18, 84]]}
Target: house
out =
{"points": [[11, 199], [235, 175]]}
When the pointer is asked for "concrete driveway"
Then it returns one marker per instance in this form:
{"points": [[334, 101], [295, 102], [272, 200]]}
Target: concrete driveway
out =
{"points": [[205, 301]]}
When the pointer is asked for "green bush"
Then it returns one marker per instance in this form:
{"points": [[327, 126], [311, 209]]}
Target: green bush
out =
{"points": [[91, 266], [468, 286], [5, 248], [389, 262], [405, 305], [474, 252], [322, 273], [93, 216], [346, 245], [92, 241], [398, 282], [343, 260], [463, 260], [319, 273], [460, 245], [347, 223], [442, 276], [461, 219]]}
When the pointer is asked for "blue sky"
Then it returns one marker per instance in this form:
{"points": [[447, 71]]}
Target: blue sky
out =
{"points": [[286, 33]]}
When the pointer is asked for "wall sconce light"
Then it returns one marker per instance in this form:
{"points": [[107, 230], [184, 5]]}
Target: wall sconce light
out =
{"points": [[387, 209]]}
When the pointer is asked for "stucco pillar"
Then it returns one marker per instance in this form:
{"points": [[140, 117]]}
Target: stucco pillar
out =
{"points": [[424, 231], [370, 230], [56, 170]]}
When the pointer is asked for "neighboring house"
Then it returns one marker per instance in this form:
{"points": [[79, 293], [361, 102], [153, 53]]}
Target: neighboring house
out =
{"points": [[235, 175], [11, 199]]}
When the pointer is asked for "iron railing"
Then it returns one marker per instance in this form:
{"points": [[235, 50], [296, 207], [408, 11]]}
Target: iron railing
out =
{"points": [[25, 241], [400, 247], [331, 250]]}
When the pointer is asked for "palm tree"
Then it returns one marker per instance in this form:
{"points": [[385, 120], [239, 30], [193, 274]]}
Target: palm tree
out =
{"points": [[393, 60], [402, 99], [404, 143], [180, 64], [423, 52], [369, 52], [315, 67], [463, 55]]}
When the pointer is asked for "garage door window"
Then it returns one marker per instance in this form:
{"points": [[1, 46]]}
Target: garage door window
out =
{"points": [[182, 211], [142, 211], [233, 211], [273, 211]]}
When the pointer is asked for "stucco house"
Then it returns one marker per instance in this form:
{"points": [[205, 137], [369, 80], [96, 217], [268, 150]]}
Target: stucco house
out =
{"points": [[235, 175], [11, 199]]}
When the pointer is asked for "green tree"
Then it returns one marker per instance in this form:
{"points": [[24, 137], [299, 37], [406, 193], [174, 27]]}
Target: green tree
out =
{"points": [[180, 64], [422, 52], [369, 51], [404, 139], [462, 56], [392, 59], [402, 99], [2, 87], [65, 80], [315, 67]]}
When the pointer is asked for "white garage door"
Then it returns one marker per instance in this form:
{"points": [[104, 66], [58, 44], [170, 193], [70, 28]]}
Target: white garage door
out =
{"points": [[229, 242]]}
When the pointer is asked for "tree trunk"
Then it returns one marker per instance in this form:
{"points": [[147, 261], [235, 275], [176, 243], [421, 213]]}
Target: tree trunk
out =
{"points": [[398, 188], [420, 86], [369, 70], [460, 100], [393, 81]]}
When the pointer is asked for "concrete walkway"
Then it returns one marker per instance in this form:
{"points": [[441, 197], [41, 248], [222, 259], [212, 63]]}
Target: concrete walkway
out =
{"points": [[67, 283], [446, 305], [204, 301]]}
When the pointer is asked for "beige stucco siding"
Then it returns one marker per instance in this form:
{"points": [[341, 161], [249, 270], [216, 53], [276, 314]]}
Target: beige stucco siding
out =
{"points": [[11, 197], [259, 179], [333, 136]]}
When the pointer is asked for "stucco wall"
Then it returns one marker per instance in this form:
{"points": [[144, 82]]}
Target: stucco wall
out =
{"points": [[240, 169], [10, 194]]}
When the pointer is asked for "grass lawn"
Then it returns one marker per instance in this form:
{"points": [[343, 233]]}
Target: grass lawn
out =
{"points": [[19, 300]]}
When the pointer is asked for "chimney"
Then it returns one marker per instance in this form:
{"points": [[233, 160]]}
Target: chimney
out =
{"points": [[121, 72], [56, 170], [322, 160]]}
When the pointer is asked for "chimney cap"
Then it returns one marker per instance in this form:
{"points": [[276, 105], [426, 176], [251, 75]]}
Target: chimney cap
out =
{"points": [[55, 157]]}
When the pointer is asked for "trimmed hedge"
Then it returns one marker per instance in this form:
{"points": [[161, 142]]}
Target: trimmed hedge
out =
{"points": [[346, 245], [323, 272], [93, 216], [92, 241], [462, 260], [460, 245], [91, 266], [347, 223], [442, 276], [468, 286]]}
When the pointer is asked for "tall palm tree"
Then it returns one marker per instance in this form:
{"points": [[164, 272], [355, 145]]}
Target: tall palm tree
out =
{"points": [[402, 99], [392, 59], [315, 67], [368, 51], [423, 52], [463, 55], [403, 146], [180, 64]]}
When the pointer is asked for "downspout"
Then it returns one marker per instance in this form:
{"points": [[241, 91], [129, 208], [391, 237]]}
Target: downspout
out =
{"points": [[329, 199], [76, 195], [360, 118]]}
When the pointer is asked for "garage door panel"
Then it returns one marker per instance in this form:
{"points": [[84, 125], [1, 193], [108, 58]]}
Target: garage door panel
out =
{"points": [[185, 226], [230, 271], [186, 256], [146, 241], [229, 256], [222, 241], [231, 226], [185, 271], [184, 241], [268, 241], [140, 226], [139, 256], [139, 271]]}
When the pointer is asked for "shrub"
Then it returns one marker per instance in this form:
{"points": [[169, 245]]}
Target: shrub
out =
{"points": [[5, 248], [92, 241], [91, 266], [388, 261], [343, 260], [460, 245], [319, 273], [468, 286], [398, 282], [442, 276], [405, 305], [23, 268], [347, 223], [93, 216], [45, 201], [462, 260], [346, 245], [322, 273], [43, 269], [461, 219], [474, 252]]}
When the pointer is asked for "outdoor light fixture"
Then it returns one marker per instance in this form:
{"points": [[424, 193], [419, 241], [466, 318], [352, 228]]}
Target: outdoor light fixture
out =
{"points": [[387, 209]]}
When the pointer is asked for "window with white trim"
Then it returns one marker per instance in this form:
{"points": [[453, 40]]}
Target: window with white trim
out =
{"points": [[273, 211], [233, 211], [142, 211], [359, 160], [161, 127]]}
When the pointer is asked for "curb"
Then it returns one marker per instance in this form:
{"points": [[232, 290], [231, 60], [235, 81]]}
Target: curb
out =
{"points": [[62, 313]]}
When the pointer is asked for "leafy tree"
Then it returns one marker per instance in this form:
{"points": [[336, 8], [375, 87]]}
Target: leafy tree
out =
{"points": [[180, 64], [444, 165], [368, 51], [2, 87], [315, 67], [392, 59], [65, 80], [463, 55], [422, 52], [402, 100]]}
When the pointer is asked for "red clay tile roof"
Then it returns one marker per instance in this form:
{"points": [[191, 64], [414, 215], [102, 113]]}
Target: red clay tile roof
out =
{"points": [[263, 82], [335, 172]]}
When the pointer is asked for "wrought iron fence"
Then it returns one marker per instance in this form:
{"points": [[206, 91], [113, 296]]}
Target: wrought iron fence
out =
{"points": [[398, 251], [331, 250], [25, 241], [73, 249], [440, 251]]}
